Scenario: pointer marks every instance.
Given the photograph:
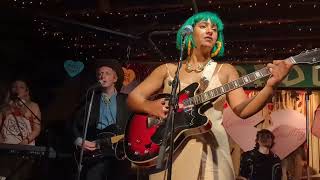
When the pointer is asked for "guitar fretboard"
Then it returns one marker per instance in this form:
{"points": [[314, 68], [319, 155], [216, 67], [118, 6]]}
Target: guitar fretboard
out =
{"points": [[242, 81]]}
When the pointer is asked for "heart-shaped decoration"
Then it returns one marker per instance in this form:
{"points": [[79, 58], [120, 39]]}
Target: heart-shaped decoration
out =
{"points": [[73, 68], [315, 130], [129, 76], [288, 127], [242, 131]]}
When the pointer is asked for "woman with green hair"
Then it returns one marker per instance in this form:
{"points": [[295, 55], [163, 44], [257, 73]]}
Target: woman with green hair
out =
{"points": [[204, 156]]}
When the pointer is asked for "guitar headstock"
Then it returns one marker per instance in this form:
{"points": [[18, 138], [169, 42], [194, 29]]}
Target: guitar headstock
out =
{"points": [[308, 57]]}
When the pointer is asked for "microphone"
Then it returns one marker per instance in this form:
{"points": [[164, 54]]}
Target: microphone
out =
{"points": [[14, 96], [96, 85], [187, 30], [16, 99]]}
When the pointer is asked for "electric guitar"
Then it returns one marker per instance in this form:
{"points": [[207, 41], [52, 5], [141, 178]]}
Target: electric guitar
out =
{"points": [[144, 134], [108, 144]]}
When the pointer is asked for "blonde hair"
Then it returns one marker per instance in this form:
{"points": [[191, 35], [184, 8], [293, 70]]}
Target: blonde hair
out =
{"points": [[27, 98]]}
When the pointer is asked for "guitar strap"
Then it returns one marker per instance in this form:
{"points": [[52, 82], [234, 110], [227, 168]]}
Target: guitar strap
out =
{"points": [[207, 75]]}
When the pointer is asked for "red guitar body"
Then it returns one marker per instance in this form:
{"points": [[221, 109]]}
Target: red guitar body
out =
{"points": [[144, 134]]}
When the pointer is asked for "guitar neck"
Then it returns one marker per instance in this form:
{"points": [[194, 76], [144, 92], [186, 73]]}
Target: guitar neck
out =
{"points": [[235, 84]]}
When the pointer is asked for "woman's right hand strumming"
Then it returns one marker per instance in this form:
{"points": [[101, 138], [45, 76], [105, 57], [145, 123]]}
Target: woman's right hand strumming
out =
{"points": [[158, 108]]}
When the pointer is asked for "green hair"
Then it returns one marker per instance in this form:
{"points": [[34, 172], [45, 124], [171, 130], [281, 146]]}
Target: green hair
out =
{"points": [[193, 20]]}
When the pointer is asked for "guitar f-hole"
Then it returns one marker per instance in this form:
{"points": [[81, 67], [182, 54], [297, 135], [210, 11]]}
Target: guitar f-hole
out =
{"points": [[148, 146]]}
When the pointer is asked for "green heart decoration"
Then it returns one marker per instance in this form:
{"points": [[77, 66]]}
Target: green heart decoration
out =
{"points": [[73, 68]]}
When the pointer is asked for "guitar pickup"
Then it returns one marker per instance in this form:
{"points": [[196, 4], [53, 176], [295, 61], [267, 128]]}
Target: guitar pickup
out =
{"points": [[152, 121]]}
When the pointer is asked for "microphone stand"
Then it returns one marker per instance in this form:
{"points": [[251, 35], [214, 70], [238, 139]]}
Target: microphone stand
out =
{"points": [[307, 130], [85, 129], [24, 104], [169, 124], [47, 152]]}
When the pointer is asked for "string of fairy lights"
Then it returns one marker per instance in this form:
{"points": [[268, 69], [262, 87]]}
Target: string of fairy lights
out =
{"points": [[25, 4], [89, 44], [217, 4]]}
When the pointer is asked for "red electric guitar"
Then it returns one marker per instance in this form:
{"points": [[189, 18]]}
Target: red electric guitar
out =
{"points": [[144, 133]]}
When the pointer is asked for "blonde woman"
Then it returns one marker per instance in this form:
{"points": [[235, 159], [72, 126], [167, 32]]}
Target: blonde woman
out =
{"points": [[18, 124]]}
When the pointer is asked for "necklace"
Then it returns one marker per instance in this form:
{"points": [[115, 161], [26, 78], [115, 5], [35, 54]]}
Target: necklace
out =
{"points": [[197, 69]]}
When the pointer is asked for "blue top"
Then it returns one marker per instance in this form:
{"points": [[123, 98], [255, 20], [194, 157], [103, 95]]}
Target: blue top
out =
{"points": [[108, 111]]}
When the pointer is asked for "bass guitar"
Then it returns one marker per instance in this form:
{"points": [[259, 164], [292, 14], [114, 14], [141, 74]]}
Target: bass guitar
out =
{"points": [[144, 134]]}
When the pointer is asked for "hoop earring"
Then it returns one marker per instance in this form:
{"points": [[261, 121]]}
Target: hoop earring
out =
{"points": [[189, 48], [219, 45]]}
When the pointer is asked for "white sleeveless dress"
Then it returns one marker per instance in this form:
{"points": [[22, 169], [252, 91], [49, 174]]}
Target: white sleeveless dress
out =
{"points": [[15, 127], [206, 156]]}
